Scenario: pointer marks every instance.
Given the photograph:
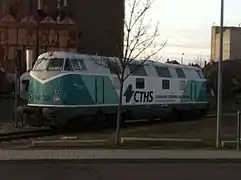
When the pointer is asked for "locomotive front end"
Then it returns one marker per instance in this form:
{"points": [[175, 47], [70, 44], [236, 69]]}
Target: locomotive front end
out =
{"points": [[56, 88], [46, 89]]}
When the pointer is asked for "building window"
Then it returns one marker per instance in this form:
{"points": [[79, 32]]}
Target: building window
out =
{"points": [[137, 70], [180, 73], [165, 84], [163, 72], [140, 83]]}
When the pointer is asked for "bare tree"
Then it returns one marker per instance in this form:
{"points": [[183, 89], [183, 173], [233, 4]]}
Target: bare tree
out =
{"points": [[199, 62], [140, 42]]}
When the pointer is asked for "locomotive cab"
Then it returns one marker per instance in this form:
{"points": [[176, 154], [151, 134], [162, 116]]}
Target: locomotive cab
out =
{"points": [[55, 84], [51, 80]]}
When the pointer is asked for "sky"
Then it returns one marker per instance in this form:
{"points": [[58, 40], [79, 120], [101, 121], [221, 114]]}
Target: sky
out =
{"points": [[186, 25]]}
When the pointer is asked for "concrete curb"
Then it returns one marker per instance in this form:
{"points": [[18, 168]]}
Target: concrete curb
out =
{"points": [[231, 142], [128, 139], [94, 160], [124, 155], [75, 141], [69, 142], [162, 141]]}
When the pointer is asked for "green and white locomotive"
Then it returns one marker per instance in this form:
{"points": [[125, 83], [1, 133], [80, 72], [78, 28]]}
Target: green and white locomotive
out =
{"points": [[64, 86]]}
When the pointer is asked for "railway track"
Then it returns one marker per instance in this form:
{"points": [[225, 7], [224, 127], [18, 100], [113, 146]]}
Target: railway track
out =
{"points": [[26, 134], [49, 132]]}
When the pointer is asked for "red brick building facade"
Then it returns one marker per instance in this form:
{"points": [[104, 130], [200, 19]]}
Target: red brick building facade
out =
{"points": [[89, 26]]}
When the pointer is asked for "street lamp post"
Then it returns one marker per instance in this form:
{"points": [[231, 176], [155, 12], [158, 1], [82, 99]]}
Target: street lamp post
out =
{"points": [[39, 8], [219, 99], [182, 57]]}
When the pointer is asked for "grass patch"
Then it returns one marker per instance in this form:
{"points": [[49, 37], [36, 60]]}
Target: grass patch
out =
{"points": [[204, 129]]}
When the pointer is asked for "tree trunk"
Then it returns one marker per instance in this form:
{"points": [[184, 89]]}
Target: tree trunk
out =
{"points": [[119, 112]]}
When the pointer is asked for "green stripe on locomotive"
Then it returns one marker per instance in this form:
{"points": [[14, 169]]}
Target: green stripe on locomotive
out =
{"points": [[73, 89], [195, 91]]}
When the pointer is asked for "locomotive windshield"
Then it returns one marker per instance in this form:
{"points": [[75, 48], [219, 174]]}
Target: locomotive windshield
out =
{"points": [[59, 64], [55, 64], [41, 64]]}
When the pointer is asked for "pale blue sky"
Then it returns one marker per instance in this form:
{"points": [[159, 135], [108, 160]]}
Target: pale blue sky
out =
{"points": [[187, 25]]}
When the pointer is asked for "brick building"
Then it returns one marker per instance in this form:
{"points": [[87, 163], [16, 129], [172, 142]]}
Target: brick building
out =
{"points": [[231, 43], [89, 26]]}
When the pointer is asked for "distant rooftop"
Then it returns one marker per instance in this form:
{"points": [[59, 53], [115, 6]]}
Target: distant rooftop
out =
{"points": [[228, 27], [217, 28]]}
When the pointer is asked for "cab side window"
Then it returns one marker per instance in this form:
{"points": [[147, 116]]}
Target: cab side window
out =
{"points": [[68, 66], [75, 64], [82, 65]]}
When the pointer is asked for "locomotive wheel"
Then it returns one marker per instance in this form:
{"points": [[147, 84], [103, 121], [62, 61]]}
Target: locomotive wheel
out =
{"points": [[152, 119], [75, 123], [125, 116], [111, 120], [53, 127], [99, 117]]}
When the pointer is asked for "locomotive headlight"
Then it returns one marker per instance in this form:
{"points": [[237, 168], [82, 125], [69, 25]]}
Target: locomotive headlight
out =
{"points": [[56, 95]]}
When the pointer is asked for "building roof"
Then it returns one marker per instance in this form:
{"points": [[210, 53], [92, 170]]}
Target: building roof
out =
{"points": [[237, 28]]}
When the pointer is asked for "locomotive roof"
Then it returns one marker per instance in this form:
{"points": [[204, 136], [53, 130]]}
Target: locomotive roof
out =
{"points": [[65, 55]]}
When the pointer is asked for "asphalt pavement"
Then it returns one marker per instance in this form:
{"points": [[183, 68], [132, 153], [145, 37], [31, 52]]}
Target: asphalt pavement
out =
{"points": [[66, 170], [120, 164]]}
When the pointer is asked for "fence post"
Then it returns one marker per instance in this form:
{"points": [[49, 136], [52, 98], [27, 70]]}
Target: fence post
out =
{"points": [[16, 100], [238, 130], [18, 55]]}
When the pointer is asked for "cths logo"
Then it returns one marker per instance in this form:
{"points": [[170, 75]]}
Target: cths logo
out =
{"points": [[139, 96]]}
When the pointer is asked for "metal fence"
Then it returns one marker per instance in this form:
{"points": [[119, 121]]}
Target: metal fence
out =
{"points": [[238, 133]]}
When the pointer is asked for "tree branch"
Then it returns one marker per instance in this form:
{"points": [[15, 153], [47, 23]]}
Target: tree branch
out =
{"points": [[139, 43]]}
